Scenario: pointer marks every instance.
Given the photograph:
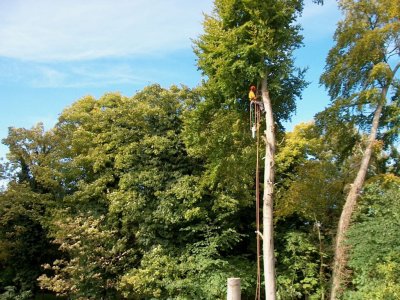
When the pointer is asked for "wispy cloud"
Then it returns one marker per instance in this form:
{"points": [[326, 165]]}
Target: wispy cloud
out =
{"points": [[93, 73], [63, 43], [88, 75], [47, 30]]}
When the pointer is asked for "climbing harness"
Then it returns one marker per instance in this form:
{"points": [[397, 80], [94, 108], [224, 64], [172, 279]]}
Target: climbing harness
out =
{"points": [[255, 116], [255, 120]]}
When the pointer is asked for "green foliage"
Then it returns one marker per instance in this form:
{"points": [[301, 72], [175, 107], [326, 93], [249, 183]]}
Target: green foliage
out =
{"points": [[119, 156], [364, 42], [298, 267], [312, 172], [243, 42], [137, 216], [96, 259], [360, 76], [12, 294], [375, 242], [32, 186], [361, 67], [24, 244], [195, 274], [2, 171], [152, 196], [31, 160]]}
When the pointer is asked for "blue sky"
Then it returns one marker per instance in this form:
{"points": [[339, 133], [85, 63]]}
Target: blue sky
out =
{"points": [[53, 52]]}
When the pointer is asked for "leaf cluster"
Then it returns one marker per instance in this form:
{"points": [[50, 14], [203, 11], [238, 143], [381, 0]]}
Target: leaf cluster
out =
{"points": [[245, 41], [375, 242]]}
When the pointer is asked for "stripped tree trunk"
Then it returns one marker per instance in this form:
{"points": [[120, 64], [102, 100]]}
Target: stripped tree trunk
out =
{"points": [[269, 172], [340, 259]]}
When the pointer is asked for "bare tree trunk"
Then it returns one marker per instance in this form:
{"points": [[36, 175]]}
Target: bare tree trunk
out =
{"points": [[340, 259], [269, 173]]}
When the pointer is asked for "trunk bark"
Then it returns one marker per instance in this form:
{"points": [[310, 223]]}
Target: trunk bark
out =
{"points": [[269, 173], [340, 259]]}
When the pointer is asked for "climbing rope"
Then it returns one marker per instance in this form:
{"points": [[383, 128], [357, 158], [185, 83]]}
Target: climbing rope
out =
{"points": [[255, 117], [252, 118]]}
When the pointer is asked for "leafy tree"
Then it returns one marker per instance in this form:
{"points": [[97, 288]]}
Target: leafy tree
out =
{"points": [[312, 172], [313, 169], [100, 149], [179, 224], [137, 218], [298, 265], [95, 253], [375, 241], [92, 267], [24, 245], [250, 42], [360, 74], [30, 192], [31, 158]]}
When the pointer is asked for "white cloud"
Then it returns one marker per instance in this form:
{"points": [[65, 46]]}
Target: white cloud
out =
{"points": [[48, 30], [62, 43], [84, 75]]}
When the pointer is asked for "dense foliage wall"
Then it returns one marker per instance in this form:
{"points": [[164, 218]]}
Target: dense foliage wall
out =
{"points": [[111, 203], [152, 196]]}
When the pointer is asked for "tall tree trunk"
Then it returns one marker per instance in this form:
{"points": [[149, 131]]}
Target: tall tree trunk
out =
{"points": [[269, 173], [340, 259]]}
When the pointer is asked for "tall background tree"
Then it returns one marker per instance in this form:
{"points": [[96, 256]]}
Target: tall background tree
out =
{"points": [[361, 78], [252, 42]]}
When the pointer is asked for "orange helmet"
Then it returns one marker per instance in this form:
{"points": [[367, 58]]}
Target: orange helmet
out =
{"points": [[253, 88]]}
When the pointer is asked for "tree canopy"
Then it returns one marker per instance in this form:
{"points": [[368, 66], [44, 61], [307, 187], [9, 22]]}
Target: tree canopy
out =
{"points": [[152, 196]]}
